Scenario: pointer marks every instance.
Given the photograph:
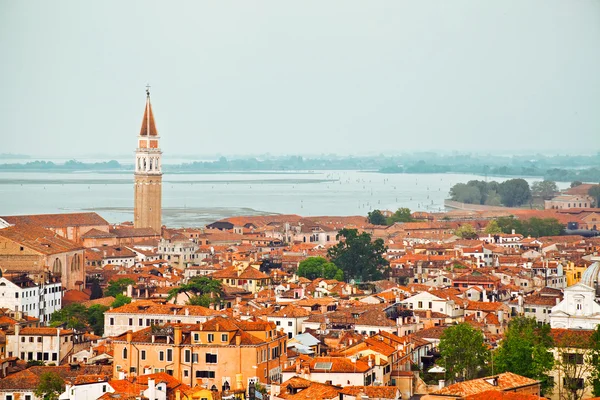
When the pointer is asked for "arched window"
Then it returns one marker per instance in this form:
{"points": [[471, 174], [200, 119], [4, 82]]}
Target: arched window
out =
{"points": [[75, 263], [151, 162], [125, 353], [56, 267]]}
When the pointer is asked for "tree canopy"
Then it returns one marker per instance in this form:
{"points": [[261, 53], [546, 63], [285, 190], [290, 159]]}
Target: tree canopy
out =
{"points": [[464, 351], [96, 290], [534, 227], [576, 183], [118, 286], [402, 214], [465, 193], [594, 191], [466, 231], [199, 286], [376, 217], [544, 189], [525, 350], [77, 316], [319, 267], [493, 228], [50, 387], [514, 192], [358, 256], [120, 300]]}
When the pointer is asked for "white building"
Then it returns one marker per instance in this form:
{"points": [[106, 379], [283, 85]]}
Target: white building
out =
{"points": [[578, 310], [23, 295], [86, 387], [144, 313], [49, 345], [179, 250], [428, 301], [290, 319]]}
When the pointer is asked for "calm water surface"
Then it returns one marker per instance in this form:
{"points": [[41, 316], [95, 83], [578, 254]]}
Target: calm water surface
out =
{"points": [[197, 199]]}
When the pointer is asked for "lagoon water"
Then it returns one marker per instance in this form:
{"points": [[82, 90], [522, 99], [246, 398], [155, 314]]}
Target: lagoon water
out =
{"points": [[198, 199]]}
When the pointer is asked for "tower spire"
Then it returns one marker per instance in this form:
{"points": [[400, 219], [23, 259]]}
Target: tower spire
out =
{"points": [[148, 125]]}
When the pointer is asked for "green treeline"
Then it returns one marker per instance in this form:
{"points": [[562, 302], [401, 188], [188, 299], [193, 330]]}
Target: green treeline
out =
{"points": [[555, 168], [510, 193]]}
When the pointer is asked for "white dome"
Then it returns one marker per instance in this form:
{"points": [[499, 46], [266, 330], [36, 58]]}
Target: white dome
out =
{"points": [[591, 275]]}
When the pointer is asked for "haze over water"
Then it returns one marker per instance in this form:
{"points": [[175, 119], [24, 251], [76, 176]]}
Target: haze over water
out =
{"points": [[198, 199]]}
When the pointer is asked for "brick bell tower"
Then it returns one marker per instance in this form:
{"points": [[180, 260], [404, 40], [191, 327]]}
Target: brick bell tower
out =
{"points": [[148, 174]]}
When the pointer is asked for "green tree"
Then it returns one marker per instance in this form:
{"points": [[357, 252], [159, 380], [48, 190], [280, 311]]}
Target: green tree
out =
{"points": [[120, 300], [483, 188], [594, 359], [357, 256], [594, 191], [463, 351], [375, 217], [576, 183], [73, 316], [118, 287], [537, 227], [493, 228], [319, 267], [525, 350], [51, 386], [508, 224], [199, 285], [200, 300], [77, 316], [466, 231], [544, 189], [464, 193], [515, 192], [95, 318], [493, 199], [534, 227], [401, 215], [96, 290]]}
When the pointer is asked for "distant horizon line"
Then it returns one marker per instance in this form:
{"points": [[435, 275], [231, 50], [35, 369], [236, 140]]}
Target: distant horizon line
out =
{"points": [[496, 153]]}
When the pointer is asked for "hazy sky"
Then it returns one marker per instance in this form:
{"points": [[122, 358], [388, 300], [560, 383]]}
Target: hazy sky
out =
{"points": [[345, 77]]}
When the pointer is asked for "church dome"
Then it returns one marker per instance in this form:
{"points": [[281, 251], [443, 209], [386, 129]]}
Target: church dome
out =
{"points": [[591, 275]]}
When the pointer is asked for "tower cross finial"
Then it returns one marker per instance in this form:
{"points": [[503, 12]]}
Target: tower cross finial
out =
{"points": [[148, 89]]}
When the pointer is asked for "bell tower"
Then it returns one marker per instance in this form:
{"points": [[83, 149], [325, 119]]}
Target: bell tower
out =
{"points": [[148, 174]]}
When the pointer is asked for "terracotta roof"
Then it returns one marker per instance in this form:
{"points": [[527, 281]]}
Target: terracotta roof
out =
{"points": [[571, 337], [484, 306], [57, 220], [316, 391], [103, 301], [333, 365], [74, 296], [291, 311], [504, 381], [373, 392], [29, 379], [122, 232], [499, 395], [45, 332], [97, 234], [39, 239], [152, 307]]}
